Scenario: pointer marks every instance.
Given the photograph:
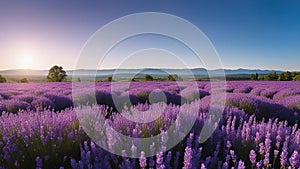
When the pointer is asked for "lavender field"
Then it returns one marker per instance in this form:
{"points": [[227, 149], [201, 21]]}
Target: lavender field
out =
{"points": [[39, 125]]}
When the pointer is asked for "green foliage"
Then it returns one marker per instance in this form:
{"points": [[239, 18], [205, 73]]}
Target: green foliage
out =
{"points": [[109, 78], [297, 78], [143, 96], [174, 77], [56, 74], [2, 79], [271, 76], [294, 106], [23, 80], [252, 77], [248, 107], [294, 74], [285, 76], [171, 78], [148, 78]]}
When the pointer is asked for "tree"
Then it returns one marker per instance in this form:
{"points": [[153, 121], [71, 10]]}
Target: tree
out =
{"points": [[56, 74], [271, 76], [2, 79], [294, 74], [109, 79], [286, 76], [289, 75], [174, 77], [148, 78], [297, 78], [171, 78], [252, 77], [24, 80]]}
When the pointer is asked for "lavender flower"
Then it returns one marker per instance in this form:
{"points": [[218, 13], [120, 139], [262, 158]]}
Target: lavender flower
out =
{"points": [[188, 154], [262, 124], [233, 156], [252, 157], [276, 152], [228, 144], [261, 149], [259, 164], [133, 151], [267, 159], [203, 166], [225, 165], [294, 160], [143, 160], [159, 159], [17, 164], [241, 165], [284, 153], [39, 163]]}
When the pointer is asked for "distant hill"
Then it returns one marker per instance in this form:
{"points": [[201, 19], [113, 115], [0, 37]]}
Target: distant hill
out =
{"points": [[165, 72], [24, 72], [150, 71]]}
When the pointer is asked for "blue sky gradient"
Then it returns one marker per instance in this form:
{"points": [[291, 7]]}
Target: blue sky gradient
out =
{"points": [[261, 34]]}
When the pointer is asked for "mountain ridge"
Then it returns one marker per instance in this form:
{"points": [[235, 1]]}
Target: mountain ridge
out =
{"points": [[151, 71]]}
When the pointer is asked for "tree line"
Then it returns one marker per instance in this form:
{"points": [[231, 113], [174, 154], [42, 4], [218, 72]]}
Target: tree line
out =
{"points": [[58, 74], [284, 76]]}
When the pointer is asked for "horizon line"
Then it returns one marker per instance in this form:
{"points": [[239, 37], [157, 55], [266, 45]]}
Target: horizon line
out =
{"points": [[154, 68]]}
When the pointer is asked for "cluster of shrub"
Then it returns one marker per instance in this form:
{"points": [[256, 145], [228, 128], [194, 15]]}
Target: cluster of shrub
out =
{"points": [[4, 80], [147, 77], [284, 76]]}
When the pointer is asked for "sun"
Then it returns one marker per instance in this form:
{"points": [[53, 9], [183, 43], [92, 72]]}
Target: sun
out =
{"points": [[26, 61]]}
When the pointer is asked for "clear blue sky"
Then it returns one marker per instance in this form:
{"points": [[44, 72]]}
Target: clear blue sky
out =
{"points": [[247, 34]]}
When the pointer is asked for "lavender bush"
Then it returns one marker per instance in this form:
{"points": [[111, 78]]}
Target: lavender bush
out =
{"points": [[55, 140], [258, 129]]}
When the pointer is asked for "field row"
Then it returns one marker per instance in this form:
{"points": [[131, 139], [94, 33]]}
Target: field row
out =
{"points": [[47, 125], [264, 99], [55, 140]]}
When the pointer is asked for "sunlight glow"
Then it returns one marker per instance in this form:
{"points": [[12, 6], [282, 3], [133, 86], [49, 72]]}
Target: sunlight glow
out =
{"points": [[26, 61]]}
